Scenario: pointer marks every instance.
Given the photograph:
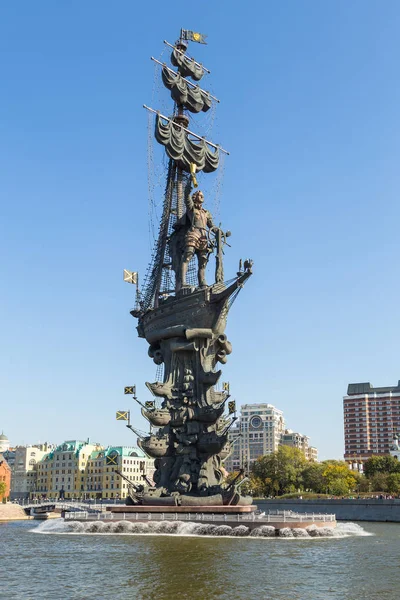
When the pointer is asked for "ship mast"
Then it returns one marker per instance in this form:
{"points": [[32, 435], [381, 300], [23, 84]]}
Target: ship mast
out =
{"points": [[182, 119], [188, 154]]}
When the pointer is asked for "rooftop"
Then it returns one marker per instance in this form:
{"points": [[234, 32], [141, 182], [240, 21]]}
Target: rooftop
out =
{"points": [[366, 388]]}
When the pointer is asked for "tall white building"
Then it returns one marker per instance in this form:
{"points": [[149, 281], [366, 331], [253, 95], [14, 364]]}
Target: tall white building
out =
{"points": [[260, 432]]}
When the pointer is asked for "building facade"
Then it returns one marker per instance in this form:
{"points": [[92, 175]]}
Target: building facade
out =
{"points": [[301, 442], [62, 472], [130, 461], [261, 430], [371, 418], [24, 470], [258, 432], [4, 443], [5, 477], [395, 448], [81, 470]]}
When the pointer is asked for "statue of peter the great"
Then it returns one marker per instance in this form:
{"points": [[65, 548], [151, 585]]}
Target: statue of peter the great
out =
{"points": [[198, 219]]}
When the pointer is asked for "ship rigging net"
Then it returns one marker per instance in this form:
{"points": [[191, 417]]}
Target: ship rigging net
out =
{"points": [[166, 200]]}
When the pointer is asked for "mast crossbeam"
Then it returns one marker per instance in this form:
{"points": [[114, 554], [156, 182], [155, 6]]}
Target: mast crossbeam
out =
{"points": [[193, 85], [198, 137], [186, 56]]}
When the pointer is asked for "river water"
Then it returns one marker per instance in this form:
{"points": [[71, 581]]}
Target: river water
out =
{"points": [[47, 561]]}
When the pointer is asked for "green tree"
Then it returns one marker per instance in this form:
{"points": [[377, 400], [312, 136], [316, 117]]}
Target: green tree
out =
{"points": [[313, 479], [381, 464], [279, 472], [2, 489], [379, 482], [338, 478], [363, 484], [393, 483]]}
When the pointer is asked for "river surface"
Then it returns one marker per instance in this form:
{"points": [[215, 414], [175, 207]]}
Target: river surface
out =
{"points": [[46, 561]]}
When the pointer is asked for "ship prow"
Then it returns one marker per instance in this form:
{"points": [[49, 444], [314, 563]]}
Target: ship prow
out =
{"points": [[190, 309]]}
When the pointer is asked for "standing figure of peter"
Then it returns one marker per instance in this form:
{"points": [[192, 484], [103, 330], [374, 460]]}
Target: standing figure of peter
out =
{"points": [[196, 240]]}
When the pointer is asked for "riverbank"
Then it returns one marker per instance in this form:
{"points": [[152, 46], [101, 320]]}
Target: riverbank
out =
{"points": [[371, 509], [12, 512]]}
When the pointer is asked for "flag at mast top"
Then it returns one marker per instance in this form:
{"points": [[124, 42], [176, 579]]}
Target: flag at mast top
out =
{"points": [[193, 36]]}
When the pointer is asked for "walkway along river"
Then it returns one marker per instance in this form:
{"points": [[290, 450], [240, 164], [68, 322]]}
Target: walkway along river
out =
{"points": [[345, 510]]}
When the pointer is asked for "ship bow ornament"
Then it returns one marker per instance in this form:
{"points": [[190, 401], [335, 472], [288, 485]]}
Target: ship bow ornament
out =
{"points": [[182, 317]]}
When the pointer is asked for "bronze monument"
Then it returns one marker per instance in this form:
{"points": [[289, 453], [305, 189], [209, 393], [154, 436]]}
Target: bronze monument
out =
{"points": [[182, 318]]}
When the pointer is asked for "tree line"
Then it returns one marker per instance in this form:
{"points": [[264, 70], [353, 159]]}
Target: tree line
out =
{"points": [[287, 471]]}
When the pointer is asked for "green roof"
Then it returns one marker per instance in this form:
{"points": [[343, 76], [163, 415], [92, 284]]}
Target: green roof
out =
{"points": [[125, 451]]}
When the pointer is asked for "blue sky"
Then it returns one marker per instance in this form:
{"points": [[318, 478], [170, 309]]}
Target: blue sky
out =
{"points": [[309, 112]]}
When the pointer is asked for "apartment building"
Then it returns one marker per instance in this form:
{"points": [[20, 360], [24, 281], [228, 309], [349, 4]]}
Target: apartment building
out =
{"points": [[371, 418]]}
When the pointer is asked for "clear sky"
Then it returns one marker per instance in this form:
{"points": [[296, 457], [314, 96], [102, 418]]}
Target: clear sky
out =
{"points": [[310, 96]]}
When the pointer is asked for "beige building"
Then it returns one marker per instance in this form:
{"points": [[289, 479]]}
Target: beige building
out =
{"points": [[131, 462], [301, 442], [24, 470], [312, 454], [82, 470], [62, 473]]}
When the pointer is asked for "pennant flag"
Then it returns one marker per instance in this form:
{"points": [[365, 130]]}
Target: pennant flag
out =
{"points": [[130, 389], [130, 276], [232, 406], [193, 36], [122, 415], [149, 404], [225, 386]]}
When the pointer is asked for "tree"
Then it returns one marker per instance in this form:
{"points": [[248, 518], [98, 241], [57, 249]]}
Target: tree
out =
{"points": [[312, 475], [279, 472], [379, 482], [2, 489], [381, 464], [338, 478], [393, 483], [245, 488], [363, 484]]}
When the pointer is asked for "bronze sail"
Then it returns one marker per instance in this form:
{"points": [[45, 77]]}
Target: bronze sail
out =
{"points": [[183, 151], [187, 67]]}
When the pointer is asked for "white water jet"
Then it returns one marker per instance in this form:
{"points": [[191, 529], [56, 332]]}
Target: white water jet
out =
{"points": [[263, 531], [179, 528], [285, 532]]}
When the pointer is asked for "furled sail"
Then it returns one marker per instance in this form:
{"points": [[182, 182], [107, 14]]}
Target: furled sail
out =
{"points": [[184, 151], [193, 98], [186, 66]]}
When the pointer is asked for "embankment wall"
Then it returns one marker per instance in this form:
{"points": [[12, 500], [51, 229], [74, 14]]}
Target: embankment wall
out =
{"points": [[345, 510], [12, 512]]}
